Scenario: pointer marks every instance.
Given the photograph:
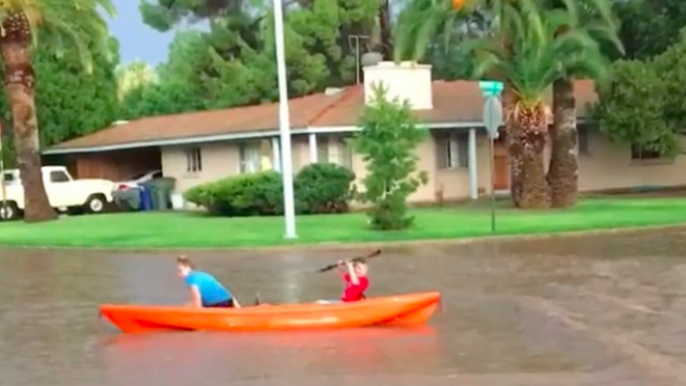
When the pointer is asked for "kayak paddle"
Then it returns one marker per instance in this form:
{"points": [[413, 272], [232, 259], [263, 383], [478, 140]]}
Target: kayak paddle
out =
{"points": [[360, 259]]}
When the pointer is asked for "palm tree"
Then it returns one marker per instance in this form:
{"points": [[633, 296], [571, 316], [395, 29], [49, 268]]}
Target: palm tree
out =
{"points": [[423, 20], [544, 48], [597, 17], [56, 22]]}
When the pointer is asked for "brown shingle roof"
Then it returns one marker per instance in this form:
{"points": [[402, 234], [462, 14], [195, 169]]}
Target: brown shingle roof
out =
{"points": [[458, 101], [206, 123]]}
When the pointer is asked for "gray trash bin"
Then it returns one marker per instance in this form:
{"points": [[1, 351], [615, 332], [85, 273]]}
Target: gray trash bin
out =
{"points": [[162, 189]]}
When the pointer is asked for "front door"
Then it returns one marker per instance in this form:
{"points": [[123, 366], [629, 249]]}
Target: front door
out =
{"points": [[501, 160]]}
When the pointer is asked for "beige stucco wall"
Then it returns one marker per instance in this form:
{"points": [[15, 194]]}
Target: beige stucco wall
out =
{"points": [[427, 163], [218, 161], [609, 165], [606, 166]]}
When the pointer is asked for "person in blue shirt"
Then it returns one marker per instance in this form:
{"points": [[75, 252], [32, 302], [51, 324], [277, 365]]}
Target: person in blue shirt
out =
{"points": [[206, 291]]}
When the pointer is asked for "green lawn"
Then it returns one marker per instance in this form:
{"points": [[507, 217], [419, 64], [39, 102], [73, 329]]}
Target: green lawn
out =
{"points": [[184, 230]]}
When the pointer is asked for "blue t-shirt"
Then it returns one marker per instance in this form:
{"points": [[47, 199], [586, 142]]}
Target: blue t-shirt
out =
{"points": [[211, 291]]}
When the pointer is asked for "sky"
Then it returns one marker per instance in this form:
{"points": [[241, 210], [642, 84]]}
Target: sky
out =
{"points": [[138, 41]]}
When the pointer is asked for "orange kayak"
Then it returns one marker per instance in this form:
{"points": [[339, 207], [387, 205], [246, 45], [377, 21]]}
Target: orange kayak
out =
{"points": [[401, 310]]}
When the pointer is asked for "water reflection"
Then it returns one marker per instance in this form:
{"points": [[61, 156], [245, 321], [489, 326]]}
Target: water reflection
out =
{"points": [[364, 351]]}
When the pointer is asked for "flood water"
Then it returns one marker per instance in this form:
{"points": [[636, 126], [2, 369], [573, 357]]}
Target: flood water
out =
{"points": [[592, 310]]}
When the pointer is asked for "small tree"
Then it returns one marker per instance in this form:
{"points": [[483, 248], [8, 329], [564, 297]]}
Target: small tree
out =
{"points": [[387, 142]]}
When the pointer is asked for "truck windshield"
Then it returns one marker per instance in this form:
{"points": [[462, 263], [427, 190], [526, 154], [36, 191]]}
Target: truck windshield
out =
{"points": [[59, 176]]}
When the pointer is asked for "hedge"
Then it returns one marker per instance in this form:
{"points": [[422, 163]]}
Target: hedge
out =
{"points": [[318, 188]]}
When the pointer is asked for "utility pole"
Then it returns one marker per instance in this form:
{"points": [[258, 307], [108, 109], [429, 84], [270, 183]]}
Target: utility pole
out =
{"points": [[284, 124], [354, 42], [3, 211]]}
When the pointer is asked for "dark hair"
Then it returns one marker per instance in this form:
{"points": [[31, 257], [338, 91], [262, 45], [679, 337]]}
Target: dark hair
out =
{"points": [[183, 260]]}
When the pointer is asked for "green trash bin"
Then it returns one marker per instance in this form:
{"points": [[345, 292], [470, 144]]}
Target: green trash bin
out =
{"points": [[162, 189], [167, 184]]}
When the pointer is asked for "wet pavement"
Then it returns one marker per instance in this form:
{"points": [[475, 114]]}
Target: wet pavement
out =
{"points": [[592, 310]]}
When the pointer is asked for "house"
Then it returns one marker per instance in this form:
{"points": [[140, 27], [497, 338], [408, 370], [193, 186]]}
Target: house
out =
{"points": [[204, 146]]}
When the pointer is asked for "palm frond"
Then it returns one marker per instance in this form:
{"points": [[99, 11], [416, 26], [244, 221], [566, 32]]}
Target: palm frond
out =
{"points": [[418, 24], [62, 25], [544, 44]]}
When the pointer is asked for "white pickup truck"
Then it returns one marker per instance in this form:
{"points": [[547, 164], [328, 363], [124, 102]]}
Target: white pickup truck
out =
{"points": [[63, 192]]}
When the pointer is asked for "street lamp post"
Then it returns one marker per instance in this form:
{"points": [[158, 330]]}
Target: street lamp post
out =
{"points": [[284, 125], [493, 119], [3, 183]]}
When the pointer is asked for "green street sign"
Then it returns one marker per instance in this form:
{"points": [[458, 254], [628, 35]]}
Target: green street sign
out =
{"points": [[491, 88]]}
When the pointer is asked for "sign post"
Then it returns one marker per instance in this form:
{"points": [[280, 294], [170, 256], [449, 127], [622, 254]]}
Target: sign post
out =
{"points": [[493, 119], [3, 210]]}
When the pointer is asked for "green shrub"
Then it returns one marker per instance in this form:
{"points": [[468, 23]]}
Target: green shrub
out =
{"points": [[242, 195], [319, 188], [323, 188], [199, 195]]}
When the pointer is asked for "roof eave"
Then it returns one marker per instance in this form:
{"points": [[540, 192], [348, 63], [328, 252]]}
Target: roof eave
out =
{"points": [[245, 135]]}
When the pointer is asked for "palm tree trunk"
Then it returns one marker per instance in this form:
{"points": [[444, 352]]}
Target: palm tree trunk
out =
{"points": [[528, 143], [509, 100], [563, 170], [19, 79]]}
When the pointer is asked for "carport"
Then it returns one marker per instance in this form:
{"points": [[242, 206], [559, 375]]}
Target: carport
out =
{"points": [[114, 165]]}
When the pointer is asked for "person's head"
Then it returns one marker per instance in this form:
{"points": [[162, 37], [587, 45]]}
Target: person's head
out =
{"points": [[360, 268], [183, 266]]}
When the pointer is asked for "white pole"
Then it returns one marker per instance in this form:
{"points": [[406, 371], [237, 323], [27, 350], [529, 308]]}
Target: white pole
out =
{"points": [[313, 149], [3, 212], [284, 124], [276, 154], [473, 172]]}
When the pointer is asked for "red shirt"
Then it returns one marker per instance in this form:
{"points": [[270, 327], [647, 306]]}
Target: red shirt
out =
{"points": [[354, 292]]}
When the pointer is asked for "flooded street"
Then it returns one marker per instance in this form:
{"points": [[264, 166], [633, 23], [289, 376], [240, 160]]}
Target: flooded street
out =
{"points": [[592, 310]]}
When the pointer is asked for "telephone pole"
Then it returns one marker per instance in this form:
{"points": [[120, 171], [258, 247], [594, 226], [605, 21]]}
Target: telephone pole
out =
{"points": [[354, 41]]}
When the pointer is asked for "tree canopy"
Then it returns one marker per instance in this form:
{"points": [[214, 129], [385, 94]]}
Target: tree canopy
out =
{"points": [[644, 102]]}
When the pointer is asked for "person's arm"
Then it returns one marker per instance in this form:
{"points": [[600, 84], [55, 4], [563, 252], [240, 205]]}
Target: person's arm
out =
{"points": [[342, 269], [351, 271], [235, 303], [196, 299]]}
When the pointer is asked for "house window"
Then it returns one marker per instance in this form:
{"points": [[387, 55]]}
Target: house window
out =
{"points": [[643, 153], [453, 150], [323, 150], [583, 139], [335, 150], [193, 160], [345, 153], [250, 157]]}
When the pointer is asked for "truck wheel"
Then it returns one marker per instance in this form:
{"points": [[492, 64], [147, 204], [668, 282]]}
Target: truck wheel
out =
{"points": [[96, 203], [10, 212]]}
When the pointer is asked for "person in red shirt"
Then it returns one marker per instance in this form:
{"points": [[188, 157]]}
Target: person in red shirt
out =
{"points": [[355, 277]]}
